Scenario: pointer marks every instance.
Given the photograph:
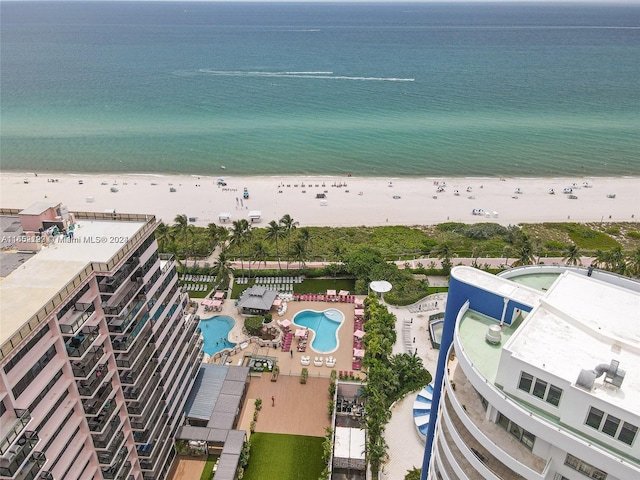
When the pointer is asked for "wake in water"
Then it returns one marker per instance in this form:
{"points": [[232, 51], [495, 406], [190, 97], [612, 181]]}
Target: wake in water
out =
{"points": [[322, 75]]}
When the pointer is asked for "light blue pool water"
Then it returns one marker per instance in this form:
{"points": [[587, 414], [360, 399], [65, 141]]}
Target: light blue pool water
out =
{"points": [[215, 331], [325, 326]]}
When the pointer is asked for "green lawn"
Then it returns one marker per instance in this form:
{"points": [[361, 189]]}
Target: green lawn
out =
{"points": [[284, 457]]}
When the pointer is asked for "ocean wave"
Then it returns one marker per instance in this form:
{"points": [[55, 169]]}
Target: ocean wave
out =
{"points": [[321, 75]]}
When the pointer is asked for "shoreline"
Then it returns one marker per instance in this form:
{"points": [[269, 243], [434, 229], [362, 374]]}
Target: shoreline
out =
{"points": [[350, 201]]}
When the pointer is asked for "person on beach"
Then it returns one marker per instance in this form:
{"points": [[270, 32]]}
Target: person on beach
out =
{"points": [[273, 401]]}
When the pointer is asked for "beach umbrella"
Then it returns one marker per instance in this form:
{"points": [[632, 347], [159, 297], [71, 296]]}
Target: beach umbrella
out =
{"points": [[218, 295], [331, 293], [285, 323], [358, 353], [358, 334], [301, 332], [343, 293], [359, 312], [207, 302]]}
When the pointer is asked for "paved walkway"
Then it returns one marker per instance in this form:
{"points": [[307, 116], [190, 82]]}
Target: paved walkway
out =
{"points": [[406, 449], [187, 468]]}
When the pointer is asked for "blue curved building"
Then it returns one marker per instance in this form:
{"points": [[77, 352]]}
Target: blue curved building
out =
{"points": [[538, 377]]}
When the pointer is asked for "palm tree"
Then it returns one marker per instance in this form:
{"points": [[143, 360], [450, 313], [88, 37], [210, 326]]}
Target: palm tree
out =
{"points": [[475, 253], [524, 253], [289, 225], [617, 263], [222, 269], [181, 229], [538, 249], [275, 232], [216, 234], [300, 252], [240, 234], [572, 255], [507, 252], [164, 236], [260, 253], [444, 252]]}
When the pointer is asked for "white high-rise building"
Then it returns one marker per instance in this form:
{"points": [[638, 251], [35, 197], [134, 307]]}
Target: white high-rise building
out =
{"points": [[97, 355], [538, 377]]}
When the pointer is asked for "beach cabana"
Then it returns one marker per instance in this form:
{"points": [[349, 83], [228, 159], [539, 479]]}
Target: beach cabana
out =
{"points": [[358, 353], [359, 312], [331, 293], [301, 332], [224, 217], [216, 304], [358, 302], [285, 323], [207, 302], [254, 216], [343, 293], [218, 295], [358, 334]]}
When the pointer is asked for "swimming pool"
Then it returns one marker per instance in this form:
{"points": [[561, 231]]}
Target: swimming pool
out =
{"points": [[215, 331], [325, 326]]}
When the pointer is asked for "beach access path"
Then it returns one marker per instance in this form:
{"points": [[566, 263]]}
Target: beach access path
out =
{"points": [[349, 201]]}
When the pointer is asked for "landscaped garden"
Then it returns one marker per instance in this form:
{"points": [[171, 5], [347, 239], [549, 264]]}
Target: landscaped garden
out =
{"points": [[284, 457]]}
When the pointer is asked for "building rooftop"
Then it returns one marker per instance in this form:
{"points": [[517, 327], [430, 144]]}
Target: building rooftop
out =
{"points": [[39, 207], [36, 281], [503, 286], [582, 322]]}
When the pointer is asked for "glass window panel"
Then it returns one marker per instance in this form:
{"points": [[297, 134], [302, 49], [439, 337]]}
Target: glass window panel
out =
{"points": [[526, 381], [627, 433], [594, 419], [503, 421], [553, 397], [540, 388], [611, 425], [528, 439]]}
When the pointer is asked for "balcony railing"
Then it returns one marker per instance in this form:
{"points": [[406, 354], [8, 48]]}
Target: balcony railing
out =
{"points": [[106, 457], [80, 343], [98, 423], [111, 471], [143, 406], [115, 305], [82, 368], [87, 388], [139, 423], [92, 405], [122, 343], [132, 376], [127, 360], [135, 393], [111, 284], [126, 469], [122, 322], [17, 454], [14, 427], [103, 440], [80, 314], [32, 467]]}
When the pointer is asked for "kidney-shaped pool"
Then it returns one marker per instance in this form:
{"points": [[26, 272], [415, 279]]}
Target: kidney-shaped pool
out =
{"points": [[325, 326]]}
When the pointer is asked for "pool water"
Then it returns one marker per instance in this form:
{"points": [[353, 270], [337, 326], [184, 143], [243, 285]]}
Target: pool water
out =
{"points": [[325, 326], [215, 331]]}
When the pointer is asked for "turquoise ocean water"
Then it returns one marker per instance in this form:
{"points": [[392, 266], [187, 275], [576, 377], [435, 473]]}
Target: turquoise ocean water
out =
{"points": [[279, 88]]}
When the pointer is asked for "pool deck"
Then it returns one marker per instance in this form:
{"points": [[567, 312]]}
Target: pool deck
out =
{"points": [[289, 363]]}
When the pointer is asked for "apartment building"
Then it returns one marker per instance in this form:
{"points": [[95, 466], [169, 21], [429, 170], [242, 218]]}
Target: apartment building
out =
{"points": [[97, 354], [538, 377]]}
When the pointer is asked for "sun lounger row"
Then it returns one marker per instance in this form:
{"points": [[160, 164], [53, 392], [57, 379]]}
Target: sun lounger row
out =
{"points": [[196, 287], [269, 280], [320, 297], [424, 307], [198, 278], [286, 341]]}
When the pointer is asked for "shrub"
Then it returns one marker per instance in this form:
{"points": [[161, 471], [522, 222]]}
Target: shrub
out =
{"points": [[252, 426], [253, 325], [267, 317], [304, 375], [633, 234], [258, 402]]}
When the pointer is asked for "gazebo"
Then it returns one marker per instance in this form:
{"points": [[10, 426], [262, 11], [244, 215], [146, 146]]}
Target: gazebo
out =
{"points": [[256, 300]]}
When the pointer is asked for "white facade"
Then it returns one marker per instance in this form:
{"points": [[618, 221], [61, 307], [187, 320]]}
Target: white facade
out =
{"points": [[516, 409]]}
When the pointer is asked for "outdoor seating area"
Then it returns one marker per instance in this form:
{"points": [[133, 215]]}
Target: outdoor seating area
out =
{"points": [[279, 284], [331, 296], [318, 361], [214, 304], [305, 360], [195, 287], [302, 334], [286, 341]]}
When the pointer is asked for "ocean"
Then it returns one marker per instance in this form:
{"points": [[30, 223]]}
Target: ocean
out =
{"points": [[378, 89]]}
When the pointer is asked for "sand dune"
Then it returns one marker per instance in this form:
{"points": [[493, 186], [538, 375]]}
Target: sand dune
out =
{"points": [[349, 201]]}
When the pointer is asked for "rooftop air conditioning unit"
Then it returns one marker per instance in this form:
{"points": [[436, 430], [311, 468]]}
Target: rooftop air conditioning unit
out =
{"points": [[494, 335]]}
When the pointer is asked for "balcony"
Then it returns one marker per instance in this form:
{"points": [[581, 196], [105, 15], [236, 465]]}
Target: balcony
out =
{"points": [[166, 262], [18, 453], [87, 388], [32, 467], [142, 407], [10, 429], [80, 343], [78, 316], [132, 376], [122, 322], [127, 360], [92, 405], [469, 419], [126, 469], [108, 455], [116, 303], [112, 470], [111, 284], [98, 423], [103, 440], [139, 423], [82, 368], [122, 343], [141, 392]]}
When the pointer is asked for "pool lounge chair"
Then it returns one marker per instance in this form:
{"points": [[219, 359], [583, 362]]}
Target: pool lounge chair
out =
{"points": [[305, 360], [318, 361], [330, 362]]}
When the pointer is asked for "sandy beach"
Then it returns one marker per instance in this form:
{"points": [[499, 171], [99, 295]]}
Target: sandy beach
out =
{"points": [[349, 201]]}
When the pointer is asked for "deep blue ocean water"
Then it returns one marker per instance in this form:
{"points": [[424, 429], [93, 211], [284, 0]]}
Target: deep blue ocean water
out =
{"points": [[280, 88]]}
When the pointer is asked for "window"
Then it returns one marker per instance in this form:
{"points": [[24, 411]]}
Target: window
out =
{"points": [[524, 437], [584, 468], [553, 397], [627, 433], [539, 388], [612, 426], [594, 419], [526, 381]]}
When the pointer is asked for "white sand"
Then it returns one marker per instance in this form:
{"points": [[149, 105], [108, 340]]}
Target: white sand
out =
{"points": [[363, 201]]}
